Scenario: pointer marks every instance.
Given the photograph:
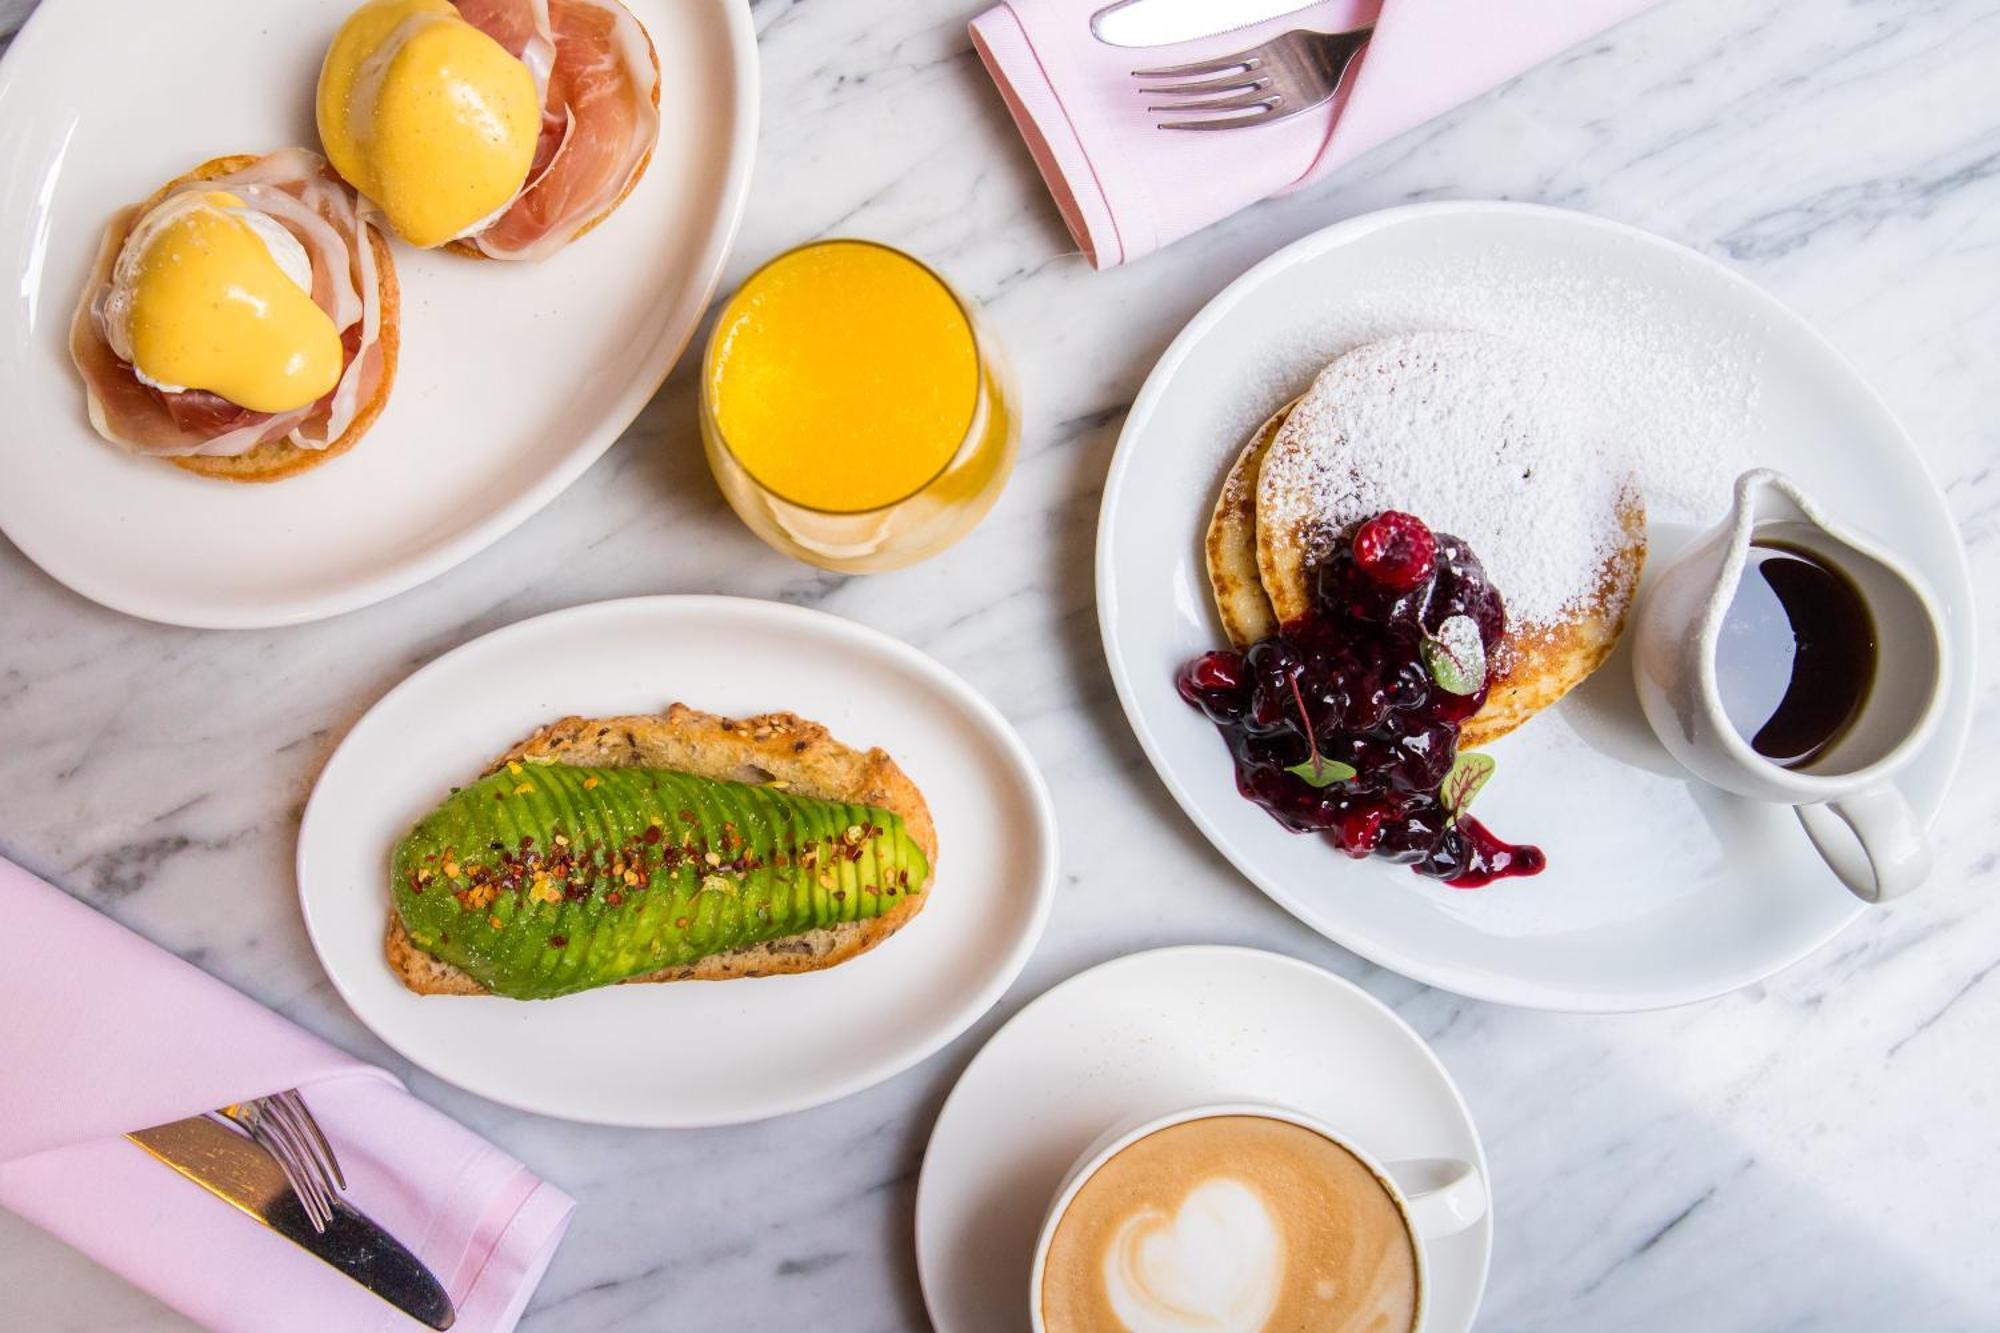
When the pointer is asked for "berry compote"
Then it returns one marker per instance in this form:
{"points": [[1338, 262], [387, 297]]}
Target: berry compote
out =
{"points": [[1350, 684]]}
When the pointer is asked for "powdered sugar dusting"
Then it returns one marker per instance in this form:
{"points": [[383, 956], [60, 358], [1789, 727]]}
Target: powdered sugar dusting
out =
{"points": [[1478, 436], [1668, 394]]}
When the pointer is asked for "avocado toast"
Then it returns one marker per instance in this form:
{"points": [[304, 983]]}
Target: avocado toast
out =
{"points": [[683, 846]]}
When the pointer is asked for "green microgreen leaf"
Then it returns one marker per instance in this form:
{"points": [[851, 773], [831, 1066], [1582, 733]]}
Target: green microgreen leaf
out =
{"points": [[1456, 656], [1322, 772]]}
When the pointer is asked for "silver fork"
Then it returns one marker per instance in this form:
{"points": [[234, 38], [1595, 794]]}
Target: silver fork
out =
{"points": [[283, 1127], [1293, 72]]}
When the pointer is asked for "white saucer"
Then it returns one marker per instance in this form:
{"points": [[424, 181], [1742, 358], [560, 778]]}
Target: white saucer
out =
{"points": [[1162, 1029], [1659, 890], [694, 1053], [513, 378]]}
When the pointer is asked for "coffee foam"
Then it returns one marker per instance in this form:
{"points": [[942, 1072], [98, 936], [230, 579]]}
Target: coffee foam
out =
{"points": [[1231, 1223], [1215, 1263]]}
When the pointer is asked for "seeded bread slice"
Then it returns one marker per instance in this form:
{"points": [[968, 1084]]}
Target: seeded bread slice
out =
{"points": [[770, 746]]}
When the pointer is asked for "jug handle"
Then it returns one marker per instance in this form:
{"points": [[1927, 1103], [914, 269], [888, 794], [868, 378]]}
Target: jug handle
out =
{"points": [[1887, 853]]}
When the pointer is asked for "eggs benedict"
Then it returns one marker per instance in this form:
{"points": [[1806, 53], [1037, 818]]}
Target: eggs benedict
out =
{"points": [[241, 322], [502, 128], [207, 293], [429, 117]]}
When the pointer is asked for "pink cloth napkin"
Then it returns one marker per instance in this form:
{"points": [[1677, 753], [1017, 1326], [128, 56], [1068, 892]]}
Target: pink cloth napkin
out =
{"points": [[1126, 188], [102, 1032]]}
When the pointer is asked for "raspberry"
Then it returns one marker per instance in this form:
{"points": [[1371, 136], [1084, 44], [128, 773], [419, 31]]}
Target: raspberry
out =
{"points": [[1395, 550]]}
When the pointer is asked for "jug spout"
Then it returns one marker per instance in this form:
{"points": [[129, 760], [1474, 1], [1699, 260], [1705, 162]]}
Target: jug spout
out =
{"points": [[1766, 495], [1675, 611]]}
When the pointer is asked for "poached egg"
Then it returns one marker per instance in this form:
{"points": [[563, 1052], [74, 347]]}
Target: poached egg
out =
{"points": [[429, 117], [209, 293]]}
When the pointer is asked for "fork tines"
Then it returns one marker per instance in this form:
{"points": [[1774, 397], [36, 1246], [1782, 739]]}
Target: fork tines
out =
{"points": [[291, 1108], [283, 1127], [1232, 84], [1291, 73]]}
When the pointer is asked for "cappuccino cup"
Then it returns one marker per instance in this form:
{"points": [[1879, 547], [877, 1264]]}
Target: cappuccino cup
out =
{"points": [[1241, 1216]]}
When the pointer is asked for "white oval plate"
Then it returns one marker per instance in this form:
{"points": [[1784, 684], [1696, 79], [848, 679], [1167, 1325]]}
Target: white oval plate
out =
{"points": [[1659, 891], [514, 377], [693, 1053], [1151, 1033]]}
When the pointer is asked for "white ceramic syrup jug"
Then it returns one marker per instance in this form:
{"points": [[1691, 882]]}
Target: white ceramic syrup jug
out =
{"points": [[1846, 798]]}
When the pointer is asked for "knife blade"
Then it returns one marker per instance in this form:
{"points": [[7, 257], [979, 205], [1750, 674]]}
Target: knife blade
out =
{"points": [[240, 1173], [1165, 22]]}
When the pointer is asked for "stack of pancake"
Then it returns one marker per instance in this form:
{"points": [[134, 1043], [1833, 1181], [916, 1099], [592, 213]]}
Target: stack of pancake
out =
{"points": [[1544, 491]]}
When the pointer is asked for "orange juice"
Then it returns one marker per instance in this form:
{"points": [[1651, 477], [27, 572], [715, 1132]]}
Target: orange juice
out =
{"points": [[852, 414], [844, 376]]}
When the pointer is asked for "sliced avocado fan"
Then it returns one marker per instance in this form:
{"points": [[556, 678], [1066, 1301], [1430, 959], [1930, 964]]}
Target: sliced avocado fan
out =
{"points": [[542, 879]]}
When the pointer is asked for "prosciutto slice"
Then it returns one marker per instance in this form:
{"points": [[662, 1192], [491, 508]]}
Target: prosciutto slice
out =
{"points": [[600, 116], [299, 191]]}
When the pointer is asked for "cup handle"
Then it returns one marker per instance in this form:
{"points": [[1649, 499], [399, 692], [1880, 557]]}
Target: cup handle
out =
{"points": [[1445, 1195], [1872, 840]]}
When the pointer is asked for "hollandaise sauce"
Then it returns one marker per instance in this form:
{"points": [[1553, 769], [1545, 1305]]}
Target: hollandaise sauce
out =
{"points": [[428, 116], [208, 305], [854, 416]]}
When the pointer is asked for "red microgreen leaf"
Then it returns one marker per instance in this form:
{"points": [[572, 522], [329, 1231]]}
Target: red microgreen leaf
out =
{"points": [[1468, 774]]}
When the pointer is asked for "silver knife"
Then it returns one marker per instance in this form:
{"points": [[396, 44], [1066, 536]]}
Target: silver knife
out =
{"points": [[237, 1171], [1165, 22]]}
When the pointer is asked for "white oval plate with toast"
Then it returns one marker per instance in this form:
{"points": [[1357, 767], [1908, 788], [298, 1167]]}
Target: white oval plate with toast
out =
{"points": [[1659, 890], [514, 378], [689, 1053]]}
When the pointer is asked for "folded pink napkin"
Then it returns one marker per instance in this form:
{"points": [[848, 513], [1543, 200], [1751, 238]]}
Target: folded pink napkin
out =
{"points": [[1126, 187], [101, 1032]]}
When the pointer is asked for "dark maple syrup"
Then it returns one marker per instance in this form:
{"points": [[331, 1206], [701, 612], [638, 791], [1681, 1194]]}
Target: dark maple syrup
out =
{"points": [[1796, 656]]}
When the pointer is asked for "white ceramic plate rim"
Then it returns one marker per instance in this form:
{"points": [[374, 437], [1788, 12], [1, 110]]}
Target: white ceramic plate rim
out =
{"points": [[943, 1028], [927, 1188], [1957, 593], [593, 437]]}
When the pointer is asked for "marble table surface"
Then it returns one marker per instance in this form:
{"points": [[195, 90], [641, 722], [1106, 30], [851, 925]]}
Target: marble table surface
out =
{"points": [[1816, 1152]]}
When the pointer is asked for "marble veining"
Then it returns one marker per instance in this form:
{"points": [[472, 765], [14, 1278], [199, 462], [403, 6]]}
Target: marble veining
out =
{"points": [[1813, 1153]]}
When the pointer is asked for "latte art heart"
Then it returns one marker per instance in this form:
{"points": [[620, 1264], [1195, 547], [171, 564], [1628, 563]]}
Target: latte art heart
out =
{"points": [[1231, 1222], [1214, 1266]]}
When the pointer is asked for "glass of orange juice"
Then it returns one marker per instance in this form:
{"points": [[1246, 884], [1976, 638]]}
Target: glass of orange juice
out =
{"points": [[855, 414]]}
